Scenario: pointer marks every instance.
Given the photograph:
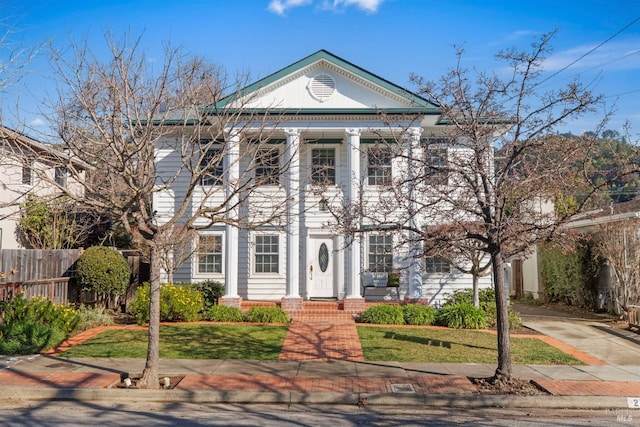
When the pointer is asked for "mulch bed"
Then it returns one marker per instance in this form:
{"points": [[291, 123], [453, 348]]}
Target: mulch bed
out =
{"points": [[514, 386]]}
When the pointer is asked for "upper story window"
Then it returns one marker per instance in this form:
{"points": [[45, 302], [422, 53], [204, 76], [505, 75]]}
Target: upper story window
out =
{"points": [[323, 166], [379, 166], [212, 167], [267, 254], [436, 167], [267, 166], [436, 264], [209, 253], [61, 174], [380, 253], [27, 173]]}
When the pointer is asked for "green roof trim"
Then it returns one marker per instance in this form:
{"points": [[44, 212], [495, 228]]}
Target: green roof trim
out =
{"points": [[333, 59]]}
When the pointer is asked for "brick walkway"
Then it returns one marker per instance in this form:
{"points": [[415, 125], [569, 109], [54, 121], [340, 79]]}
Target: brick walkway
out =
{"points": [[322, 335]]}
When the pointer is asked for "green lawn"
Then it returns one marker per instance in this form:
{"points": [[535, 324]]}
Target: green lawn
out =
{"points": [[189, 342], [453, 346]]}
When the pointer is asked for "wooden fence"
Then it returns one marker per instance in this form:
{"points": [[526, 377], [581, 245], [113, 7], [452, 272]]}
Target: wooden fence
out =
{"points": [[51, 274], [37, 272]]}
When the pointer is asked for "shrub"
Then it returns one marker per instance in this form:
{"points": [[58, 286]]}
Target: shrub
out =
{"points": [[491, 316], [487, 295], [462, 315], [211, 291], [30, 326], [419, 314], [223, 313], [569, 277], [266, 315], [103, 270], [92, 317], [383, 314], [177, 303]]}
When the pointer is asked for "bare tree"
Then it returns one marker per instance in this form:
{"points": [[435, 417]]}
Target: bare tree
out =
{"points": [[490, 173], [166, 156], [618, 243], [511, 197]]}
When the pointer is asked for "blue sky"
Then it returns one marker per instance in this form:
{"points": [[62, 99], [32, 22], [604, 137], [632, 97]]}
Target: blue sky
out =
{"points": [[390, 38]]}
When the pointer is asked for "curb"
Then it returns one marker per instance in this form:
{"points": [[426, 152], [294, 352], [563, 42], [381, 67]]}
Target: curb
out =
{"points": [[322, 398]]}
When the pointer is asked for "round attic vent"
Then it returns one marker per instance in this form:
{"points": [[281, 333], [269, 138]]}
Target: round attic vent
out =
{"points": [[322, 87]]}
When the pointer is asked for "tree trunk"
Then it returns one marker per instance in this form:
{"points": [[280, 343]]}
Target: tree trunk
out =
{"points": [[476, 291], [150, 373], [503, 371]]}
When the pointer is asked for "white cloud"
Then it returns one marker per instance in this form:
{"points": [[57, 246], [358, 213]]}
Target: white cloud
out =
{"points": [[280, 6], [610, 56], [37, 122], [370, 6], [513, 37]]}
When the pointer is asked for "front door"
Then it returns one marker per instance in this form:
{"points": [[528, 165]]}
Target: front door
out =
{"points": [[320, 268]]}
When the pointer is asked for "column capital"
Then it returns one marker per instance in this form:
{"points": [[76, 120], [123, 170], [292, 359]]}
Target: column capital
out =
{"points": [[292, 131], [414, 132], [232, 134], [353, 131]]}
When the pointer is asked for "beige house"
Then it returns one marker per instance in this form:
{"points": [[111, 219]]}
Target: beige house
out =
{"points": [[27, 167]]}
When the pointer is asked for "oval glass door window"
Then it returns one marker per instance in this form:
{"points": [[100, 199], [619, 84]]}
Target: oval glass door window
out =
{"points": [[323, 257]]}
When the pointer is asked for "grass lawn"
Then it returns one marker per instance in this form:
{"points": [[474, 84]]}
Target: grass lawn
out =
{"points": [[189, 342], [453, 346]]}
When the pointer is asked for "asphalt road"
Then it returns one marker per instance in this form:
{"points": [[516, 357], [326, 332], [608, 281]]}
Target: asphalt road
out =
{"points": [[192, 415]]}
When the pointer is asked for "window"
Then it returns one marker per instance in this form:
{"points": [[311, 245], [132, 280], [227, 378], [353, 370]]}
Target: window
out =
{"points": [[435, 157], [209, 253], [61, 174], [27, 174], [379, 166], [436, 264], [268, 166], [380, 256], [267, 254], [323, 166], [211, 165], [436, 166]]}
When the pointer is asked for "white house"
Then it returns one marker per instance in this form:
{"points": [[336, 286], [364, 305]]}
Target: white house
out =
{"points": [[27, 167], [331, 115]]}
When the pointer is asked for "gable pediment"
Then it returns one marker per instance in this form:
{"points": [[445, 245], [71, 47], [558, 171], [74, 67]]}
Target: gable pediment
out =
{"points": [[324, 82]]}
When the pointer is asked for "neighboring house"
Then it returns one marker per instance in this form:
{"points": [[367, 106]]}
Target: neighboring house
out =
{"points": [[625, 215], [24, 162], [330, 115]]}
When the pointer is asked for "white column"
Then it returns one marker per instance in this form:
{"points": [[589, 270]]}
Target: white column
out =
{"points": [[232, 174], [292, 185], [414, 157], [353, 244]]}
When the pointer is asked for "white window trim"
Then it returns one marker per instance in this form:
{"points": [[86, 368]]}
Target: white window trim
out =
{"points": [[196, 274], [213, 147], [368, 251], [337, 165], [281, 261], [256, 165], [365, 168]]}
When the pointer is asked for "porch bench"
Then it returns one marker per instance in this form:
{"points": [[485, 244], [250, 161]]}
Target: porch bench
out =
{"points": [[391, 280]]}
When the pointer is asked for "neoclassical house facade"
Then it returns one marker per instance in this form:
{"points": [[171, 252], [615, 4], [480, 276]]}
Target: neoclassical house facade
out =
{"points": [[324, 154]]}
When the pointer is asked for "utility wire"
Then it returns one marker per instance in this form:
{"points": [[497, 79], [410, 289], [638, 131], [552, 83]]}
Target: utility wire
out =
{"points": [[590, 51]]}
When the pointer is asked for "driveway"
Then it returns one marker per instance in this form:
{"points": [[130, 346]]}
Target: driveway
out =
{"points": [[588, 332]]}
